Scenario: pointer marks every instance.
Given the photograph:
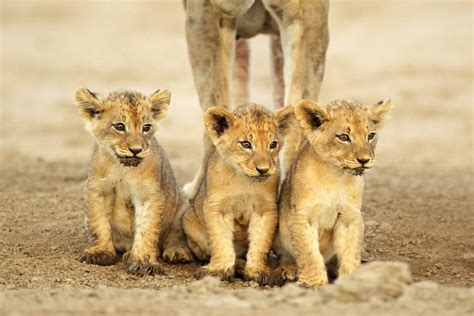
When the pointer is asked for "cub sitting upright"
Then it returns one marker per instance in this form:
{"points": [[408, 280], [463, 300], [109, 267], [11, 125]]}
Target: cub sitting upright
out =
{"points": [[233, 212], [321, 197], [133, 202]]}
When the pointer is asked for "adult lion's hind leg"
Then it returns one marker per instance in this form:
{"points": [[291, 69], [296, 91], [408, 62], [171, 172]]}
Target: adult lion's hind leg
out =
{"points": [[240, 80], [277, 71]]}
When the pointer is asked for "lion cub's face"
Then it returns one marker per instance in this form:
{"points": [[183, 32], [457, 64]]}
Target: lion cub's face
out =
{"points": [[247, 138], [124, 122], [344, 133]]}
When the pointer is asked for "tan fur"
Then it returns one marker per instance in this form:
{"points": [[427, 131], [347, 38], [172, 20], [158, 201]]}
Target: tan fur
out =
{"points": [[321, 197], [240, 74], [212, 28], [133, 202], [233, 212]]}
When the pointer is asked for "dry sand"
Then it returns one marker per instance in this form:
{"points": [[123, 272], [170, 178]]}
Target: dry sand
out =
{"points": [[419, 199]]}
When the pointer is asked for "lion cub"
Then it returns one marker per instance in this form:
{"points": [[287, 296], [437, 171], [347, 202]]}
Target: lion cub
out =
{"points": [[133, 202], [233, 212], [321, 197]]}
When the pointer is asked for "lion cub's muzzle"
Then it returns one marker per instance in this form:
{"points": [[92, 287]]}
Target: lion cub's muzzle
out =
{"points": [[129, 161], [131, 157], [260, 174], [364, 167]]}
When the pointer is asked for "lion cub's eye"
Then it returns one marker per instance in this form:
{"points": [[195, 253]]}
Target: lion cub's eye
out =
{"points": [[246, 144], [146, 128], [344, 138], [273, 144], [119, 127], [371, 136]]}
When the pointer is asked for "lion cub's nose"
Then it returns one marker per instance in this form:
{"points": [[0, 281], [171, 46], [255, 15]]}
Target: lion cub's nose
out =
{"points": [[135, 150], [363, 161], [262, 170]]}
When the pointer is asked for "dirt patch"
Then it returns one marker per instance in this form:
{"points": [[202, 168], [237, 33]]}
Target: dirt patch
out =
{"points": [[374, 289], [418, 203]]}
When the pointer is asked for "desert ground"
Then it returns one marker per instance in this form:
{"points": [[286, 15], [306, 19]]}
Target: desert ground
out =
{"points": [[418, 203]]}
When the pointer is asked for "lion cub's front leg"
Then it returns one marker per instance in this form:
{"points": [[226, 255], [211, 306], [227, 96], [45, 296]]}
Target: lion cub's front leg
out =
{"points": [[348, 241], [142, 258], [261, 230], [305, 243], [99, 209], [220, 227]]}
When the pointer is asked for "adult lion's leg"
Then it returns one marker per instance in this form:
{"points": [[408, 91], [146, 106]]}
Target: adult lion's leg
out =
{"points": [[304, 34], [211, 37], [240, 80], [277, 71]]}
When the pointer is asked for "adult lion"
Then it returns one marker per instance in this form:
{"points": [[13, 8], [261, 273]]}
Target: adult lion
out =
{"points": [[216, 31]]}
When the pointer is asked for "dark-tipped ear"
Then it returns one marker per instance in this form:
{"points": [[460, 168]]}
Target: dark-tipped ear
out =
{"points": [[160, 101], [89, 103], [378, 112], [286, 119], [310, 114], [218, 120]]}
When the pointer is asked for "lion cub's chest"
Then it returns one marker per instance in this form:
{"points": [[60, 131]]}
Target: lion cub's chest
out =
{"points": [[242, 208], [330, 205]]}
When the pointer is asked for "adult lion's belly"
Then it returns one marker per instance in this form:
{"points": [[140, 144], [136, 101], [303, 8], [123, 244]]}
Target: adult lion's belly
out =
{"points": [[255, 21]]}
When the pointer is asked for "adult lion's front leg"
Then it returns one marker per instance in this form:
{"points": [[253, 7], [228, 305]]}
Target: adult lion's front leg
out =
{"points": [[211, 43], [304, 35]]}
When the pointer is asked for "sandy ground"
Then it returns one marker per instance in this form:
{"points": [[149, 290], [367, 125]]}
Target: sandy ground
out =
{"points": [[419, 199]]}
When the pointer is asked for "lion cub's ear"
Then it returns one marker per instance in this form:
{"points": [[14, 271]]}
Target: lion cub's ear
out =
{"points": [[310, 114], [286, 119], [160, 100], [89, 104], [378, 112], [218, 120]]}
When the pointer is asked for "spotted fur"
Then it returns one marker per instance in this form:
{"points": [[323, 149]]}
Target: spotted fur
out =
{"points": [[321, 196], [133, 202], [233, 212]]}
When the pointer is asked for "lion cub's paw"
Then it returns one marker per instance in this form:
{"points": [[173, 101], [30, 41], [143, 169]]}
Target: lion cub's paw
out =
{"points": [[313, 282], [347, 268], [177, 254], [262, 276], [141, 266], [225, 274], [288, 272], [98, 256]]}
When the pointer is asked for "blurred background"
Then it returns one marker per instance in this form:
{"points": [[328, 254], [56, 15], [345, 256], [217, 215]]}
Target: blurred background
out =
{"points": [[419, 53]]}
